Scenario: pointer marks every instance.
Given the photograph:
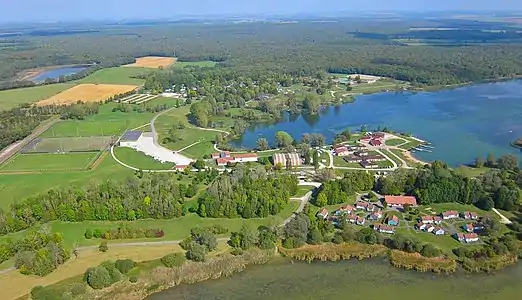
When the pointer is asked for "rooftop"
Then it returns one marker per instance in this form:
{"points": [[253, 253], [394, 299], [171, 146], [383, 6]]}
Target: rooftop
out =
{"points": [[132, 135], [400, 200]]}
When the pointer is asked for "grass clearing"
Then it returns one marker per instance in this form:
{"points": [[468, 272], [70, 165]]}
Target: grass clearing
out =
{"points": [[199, 150], [12, 98], [390, 155], [205, 63], [88, 93], [394, 142], [118, 75], [15, 285], [48, 162], [340, 162], [140, 160], [471, 171]]}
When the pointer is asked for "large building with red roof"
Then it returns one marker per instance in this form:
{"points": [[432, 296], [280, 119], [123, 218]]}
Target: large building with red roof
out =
{"points": [[400, 201], [223, 158]]}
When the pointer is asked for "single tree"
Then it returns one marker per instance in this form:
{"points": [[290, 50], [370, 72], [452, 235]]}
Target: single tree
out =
{"points": [[479, 162], [262, 144], [490, 160]]}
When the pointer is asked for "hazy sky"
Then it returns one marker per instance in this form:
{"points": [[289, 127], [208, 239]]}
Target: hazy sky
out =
{"points": [[59, 10]]}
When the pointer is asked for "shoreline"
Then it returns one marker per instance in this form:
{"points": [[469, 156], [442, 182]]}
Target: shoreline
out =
{"points": [[30, 74]]}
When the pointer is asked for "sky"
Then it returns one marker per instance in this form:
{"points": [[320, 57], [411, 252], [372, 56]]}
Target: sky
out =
{"points": [[70, 10]]}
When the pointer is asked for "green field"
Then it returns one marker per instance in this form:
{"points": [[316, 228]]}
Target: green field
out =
{"points": [[394, 142], [16, 187], [390, 155], [471, 171], [182, 64], [199, 150], [118, 75], [46, 162], [12, 98], [340, 162], [105, 123], [139, 160], [175, 229]]}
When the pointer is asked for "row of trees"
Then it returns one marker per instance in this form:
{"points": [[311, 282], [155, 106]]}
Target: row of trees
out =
{"points": [[247, 193], [155, 196]]}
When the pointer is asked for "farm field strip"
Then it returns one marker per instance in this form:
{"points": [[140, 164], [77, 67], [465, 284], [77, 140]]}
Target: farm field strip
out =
{"points": [[150, 98], [128, 98], [88, 93], [134, 99], [154, 62], [73, 144]]}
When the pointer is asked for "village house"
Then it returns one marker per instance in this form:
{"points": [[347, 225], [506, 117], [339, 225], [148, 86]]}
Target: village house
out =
{"points": [[361, 153], [467, 237], [223, 158], [431, 219], [468, 215], [438, 231], [393, 221], [382, 228], [323, 213], [429, 228], [360, 221], [348, 209], [421, 226], [245, 157], [400, 201], [473, 227], [451, 214], [368, 165], [376, 215], [181, 167], [351, 218], [342, 151], [374, 158], [365, 206], [353, 159], [375, 142]]}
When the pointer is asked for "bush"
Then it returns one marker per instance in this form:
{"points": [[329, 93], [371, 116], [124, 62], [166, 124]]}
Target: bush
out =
{"points": [[88, 234], [133, 279], [237, 251], [124, 265], [98, 277], [197, 252], [113, 272], [337, 239], [173, 260], [78, 289], [45, 293], [103, 247], [97, 233]]}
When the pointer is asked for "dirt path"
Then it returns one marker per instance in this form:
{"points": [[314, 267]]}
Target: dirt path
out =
{"points": [[503, 219]]}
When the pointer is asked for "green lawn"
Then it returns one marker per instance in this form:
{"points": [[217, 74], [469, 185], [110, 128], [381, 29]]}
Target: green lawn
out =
{"points": [[175, 229], [303, 190], [199, 150], [390, 155], [182, 64], [118, 75], [470, 171], [105, 123], [340, 162], [394, 142], [139, 159], [12, 98], [16, 187], [45, 162]]}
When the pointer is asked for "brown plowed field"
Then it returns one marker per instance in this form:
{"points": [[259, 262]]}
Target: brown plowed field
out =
{"points": [[88, 93], [152, 62]]}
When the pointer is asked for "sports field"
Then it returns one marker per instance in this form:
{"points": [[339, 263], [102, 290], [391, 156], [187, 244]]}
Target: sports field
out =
{"points": [[76, 144], [152, 62], [88, 93], [48, 162], [12, 98]]}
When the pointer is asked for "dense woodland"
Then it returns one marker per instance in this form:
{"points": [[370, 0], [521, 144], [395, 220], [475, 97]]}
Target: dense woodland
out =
{"points": [[247, 193], [301, 48]]}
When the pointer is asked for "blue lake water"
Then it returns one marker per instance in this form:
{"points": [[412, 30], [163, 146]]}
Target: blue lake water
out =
{"points": [[461, 123], [56, 73]]}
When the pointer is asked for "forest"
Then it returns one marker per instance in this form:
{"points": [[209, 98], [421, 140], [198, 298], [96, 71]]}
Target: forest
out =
{"points": [[247, 193], [299, 49]]}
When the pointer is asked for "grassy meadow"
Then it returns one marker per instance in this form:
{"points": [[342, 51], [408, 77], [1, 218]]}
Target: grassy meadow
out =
{"points": [[140, 160], [12, 98], [183, 64], [118, 75], [49, 162]]}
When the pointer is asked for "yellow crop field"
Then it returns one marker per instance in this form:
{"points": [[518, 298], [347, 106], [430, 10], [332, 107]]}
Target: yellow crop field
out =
{"points": [[88, 93], [152, 62]]}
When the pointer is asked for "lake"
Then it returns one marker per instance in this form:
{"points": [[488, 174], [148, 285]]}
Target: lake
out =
{"points": [[354, 280], [56, 73], [461, 123]]}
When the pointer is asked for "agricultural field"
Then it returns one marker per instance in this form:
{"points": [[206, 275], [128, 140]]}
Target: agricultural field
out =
{"points": [[78, 144], [88, 93], [139, 160], [49, 162], [12, 98], [118, 75], [137, 99], [154, 62]]}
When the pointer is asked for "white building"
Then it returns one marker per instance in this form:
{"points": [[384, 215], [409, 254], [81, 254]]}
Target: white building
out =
{"points": [[130, 138]]}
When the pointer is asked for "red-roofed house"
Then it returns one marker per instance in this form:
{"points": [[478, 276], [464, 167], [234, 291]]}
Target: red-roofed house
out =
{"points": [[181, 167], [245, 157], [323, 213], [451, 214], [468, 215], [393, 221], [438, 231], [222, 154], [375, 142], [429, 228], [421, 226], [431, 219], [346, 209], [382, 228], [341, 151], [471, 237], [351, 218], [360, 221], [468, 227], [223, 161], [400, 201]]}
